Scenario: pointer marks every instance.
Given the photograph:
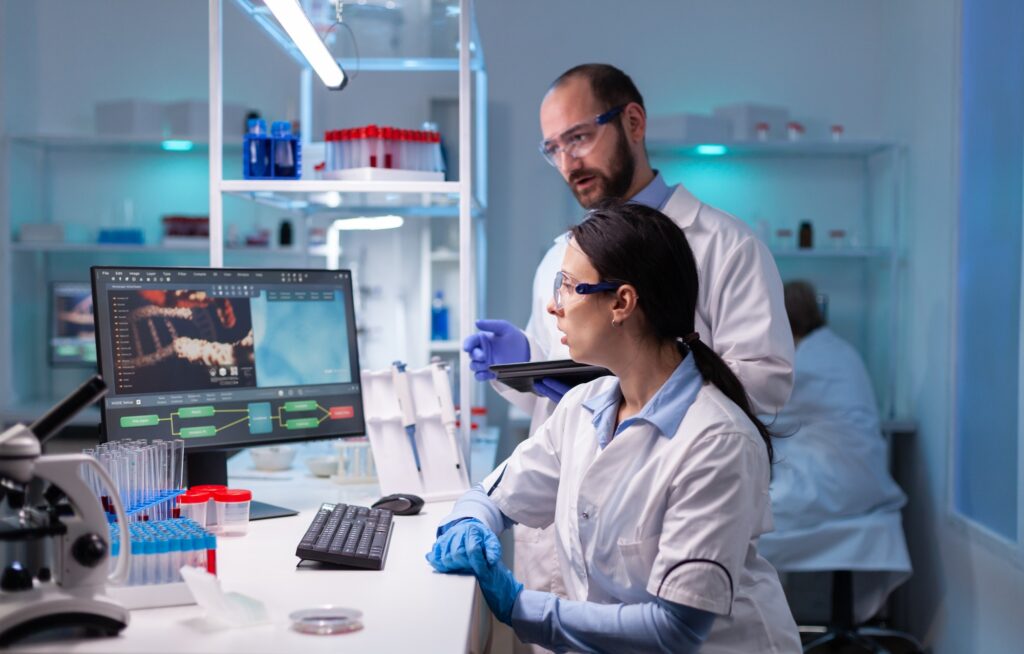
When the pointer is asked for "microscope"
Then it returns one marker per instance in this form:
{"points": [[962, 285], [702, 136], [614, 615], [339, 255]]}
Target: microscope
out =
{"points": [[66, 520]]}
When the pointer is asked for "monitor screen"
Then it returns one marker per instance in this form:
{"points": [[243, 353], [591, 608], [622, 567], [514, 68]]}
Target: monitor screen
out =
{"points": [[227, 358], [72, 330]]}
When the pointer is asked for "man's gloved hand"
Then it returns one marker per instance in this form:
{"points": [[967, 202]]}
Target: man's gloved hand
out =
{"points": [[499, 586], [550, 388], [498, 341], [456, 547]]}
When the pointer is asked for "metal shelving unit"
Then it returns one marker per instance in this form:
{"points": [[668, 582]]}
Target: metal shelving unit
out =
{"points": [[100, 142], [804, 149], [882, 256], [464, 198]]}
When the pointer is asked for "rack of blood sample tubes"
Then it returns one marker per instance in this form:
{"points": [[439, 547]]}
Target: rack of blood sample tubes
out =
{"points": [[161, 548], [373, 146]]}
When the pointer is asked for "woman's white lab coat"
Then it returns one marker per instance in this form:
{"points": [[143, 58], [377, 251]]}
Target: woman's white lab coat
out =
{"points": [[675, 517], [740, 315]]}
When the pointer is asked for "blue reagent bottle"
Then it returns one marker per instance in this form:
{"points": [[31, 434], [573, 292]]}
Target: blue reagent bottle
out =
{"points": [[287, 155], [257, 150], [438, 318]]}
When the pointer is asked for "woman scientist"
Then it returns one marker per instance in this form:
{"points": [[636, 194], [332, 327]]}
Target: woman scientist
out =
{"points": [[656, 479]]}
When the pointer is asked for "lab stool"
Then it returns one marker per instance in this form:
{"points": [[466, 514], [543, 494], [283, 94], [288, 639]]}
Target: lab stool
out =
{"points": [[842, 632]]}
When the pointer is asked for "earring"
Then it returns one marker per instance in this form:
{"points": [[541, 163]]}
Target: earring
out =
{"points": [[615, 323]]}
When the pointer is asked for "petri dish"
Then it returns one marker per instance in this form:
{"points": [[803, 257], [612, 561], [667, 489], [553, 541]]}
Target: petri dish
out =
{"points": [[326, 620]]}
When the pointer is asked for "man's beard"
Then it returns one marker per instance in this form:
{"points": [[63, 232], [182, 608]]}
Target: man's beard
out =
{"points": [[613, 185]]}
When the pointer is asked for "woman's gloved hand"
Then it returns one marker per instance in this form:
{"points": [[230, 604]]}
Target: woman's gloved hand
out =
{"points": [[551, 388], [498, 584], [454, 550], [498, 341]]}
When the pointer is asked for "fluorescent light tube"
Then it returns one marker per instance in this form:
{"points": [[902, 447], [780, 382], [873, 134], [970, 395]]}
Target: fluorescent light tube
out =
{"points": [[292, 17], [367, 223], [176, 145], [711, 150]]}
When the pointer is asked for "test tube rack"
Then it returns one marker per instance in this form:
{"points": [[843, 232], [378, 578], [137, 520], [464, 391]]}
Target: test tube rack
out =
{"points": [[141, 511]]}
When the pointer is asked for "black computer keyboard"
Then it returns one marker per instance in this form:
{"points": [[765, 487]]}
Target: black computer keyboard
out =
{"points": [[344, 534]]}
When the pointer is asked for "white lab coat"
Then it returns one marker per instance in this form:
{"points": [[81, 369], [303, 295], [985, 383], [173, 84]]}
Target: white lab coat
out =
{"points": [[656, 516], [740, 315], [835, 504]]}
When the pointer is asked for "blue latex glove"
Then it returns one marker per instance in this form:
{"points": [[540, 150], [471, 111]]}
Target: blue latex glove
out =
{"points": [[460, 543], [499, 586], [550, 388], [498, 341]]}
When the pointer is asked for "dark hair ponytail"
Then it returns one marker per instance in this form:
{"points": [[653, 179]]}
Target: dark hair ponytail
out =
{"points": [[713, 369], [637, 244]]}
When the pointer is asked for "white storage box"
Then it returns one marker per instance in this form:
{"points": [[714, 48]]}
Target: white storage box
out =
{"points": [[129, 117], [41, 233], [815, 129], [192, 118], [693, 128], [745, 117]]}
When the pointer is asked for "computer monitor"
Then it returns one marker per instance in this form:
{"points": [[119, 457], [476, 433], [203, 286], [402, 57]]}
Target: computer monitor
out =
{"points": [[227, 358], [72, 330]]}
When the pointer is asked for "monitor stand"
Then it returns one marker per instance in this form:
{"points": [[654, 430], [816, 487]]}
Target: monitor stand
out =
{"points": [[212, 468]]}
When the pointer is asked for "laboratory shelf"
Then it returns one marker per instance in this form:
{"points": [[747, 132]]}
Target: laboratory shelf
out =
{"points": [[851, 148], [406, 64], [836, 253], [200, 248], [341, 186], [444, 256], [273, 255], [445, 346], [120, 142], [418, 199]]}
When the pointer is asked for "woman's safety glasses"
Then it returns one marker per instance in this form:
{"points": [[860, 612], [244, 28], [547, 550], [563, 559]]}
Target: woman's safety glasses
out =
{"points": [[578, 140], [568, 290]]}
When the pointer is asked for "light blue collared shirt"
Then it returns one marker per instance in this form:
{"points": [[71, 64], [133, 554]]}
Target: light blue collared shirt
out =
{"points": [[665, 410], [656, 194]]}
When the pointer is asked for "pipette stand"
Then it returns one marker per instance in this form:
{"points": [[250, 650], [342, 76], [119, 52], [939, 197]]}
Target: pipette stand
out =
{"points": [[439, 478]]}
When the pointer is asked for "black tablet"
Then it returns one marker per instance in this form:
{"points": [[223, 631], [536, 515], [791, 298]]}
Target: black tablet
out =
{"points": [[521, 376]]}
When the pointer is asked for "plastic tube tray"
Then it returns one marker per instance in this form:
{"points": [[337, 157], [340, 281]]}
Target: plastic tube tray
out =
{"points": [[135, 509]]}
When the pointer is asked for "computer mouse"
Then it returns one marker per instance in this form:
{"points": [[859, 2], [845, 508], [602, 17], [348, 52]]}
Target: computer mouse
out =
{"points": [[400, 503]]}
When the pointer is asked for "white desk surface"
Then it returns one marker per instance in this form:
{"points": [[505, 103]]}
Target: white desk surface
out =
{"points": [[406, 607]]}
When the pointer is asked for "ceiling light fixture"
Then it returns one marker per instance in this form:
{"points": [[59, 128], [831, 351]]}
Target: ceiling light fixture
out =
{"points": [[292, 17]]}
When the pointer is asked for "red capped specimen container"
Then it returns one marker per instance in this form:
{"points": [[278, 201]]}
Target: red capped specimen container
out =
{"points": [[232, 511], [193, 505]]}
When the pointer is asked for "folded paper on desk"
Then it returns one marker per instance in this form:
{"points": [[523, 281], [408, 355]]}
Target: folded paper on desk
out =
{"points": [[232, 609]]}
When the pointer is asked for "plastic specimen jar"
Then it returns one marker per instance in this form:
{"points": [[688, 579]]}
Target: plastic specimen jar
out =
{"points": [[211, 507], [194, 506], [837, 238], [232, 511], [784, 238]]}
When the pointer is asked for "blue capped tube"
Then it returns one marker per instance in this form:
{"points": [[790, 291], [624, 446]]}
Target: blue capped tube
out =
{"points": [[135, 576], [174, 559], [149, 563], [162, 567]]}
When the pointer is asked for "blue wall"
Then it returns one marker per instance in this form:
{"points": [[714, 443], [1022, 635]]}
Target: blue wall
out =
{"points": [[989, 266]]}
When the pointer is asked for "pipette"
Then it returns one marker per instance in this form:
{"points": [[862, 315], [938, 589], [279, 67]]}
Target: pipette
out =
{"points": [[404, 394], [446, 407]]}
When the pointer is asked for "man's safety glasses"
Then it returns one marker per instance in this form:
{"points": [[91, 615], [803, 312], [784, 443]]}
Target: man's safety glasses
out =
{"points": [[568, 290], [578, 140]]}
